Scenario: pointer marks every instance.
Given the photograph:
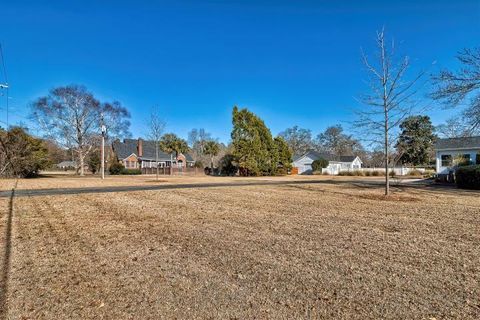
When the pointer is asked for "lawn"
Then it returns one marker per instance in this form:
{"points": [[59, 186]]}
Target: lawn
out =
{"points": [[279, 248]]}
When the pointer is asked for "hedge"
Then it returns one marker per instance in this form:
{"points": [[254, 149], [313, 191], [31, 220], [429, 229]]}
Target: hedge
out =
{"points": [[468, 177]]}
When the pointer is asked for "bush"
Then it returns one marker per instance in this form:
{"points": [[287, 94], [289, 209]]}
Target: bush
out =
{"points": [[429, 173], [198, 164], [130, 171], [21, 155], [319, 164], [415, 172], [376, 173], [358, 173], [468, 177], [116, 168]]}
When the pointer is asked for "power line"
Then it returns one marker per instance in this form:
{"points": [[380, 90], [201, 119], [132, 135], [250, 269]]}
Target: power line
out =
{"points": [[3, 64], [4, 86]]}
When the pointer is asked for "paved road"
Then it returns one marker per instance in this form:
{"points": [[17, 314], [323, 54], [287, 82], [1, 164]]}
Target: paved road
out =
{"points": [[108, 189]]}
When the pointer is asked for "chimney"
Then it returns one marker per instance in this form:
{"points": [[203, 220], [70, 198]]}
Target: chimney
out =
{"points": [[140, 147]]}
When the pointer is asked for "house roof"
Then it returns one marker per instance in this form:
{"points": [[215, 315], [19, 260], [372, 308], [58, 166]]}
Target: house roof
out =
{"points": [[128, 146], [315, 155], [458, 143], [67, 164]]}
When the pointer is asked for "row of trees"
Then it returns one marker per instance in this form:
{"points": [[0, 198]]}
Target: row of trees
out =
{"points": [[333, 140], [72, 117]]}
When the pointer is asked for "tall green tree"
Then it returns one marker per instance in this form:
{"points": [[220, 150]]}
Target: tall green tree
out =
{"points": [[415, 143], [211, 148], [253, 145], [284, 153]]}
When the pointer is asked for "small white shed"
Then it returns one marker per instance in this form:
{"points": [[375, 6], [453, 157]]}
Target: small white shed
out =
{"points": [[335, 164]]}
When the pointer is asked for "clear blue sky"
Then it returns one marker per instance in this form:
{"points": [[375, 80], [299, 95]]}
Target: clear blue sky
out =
{"points": [[291, 62]]}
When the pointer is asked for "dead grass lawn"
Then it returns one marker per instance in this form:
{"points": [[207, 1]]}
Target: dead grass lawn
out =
{"points": [[280, 252]]}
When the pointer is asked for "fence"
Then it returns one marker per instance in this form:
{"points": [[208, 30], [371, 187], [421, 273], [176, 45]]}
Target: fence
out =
{"points": [[399, 171], [187, 171]]}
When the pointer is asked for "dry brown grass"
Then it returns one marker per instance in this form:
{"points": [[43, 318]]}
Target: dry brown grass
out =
{"points": [[278, 251]]}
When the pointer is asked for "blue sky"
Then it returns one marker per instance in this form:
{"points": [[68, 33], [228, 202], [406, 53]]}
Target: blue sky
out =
{"points": [[291, 62]]}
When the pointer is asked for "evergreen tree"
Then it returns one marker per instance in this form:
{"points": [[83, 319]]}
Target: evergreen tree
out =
{"points": [[416, 140], [284, 153], [253, 145]]}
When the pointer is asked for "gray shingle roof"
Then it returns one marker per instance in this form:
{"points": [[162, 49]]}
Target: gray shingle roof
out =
{"points": [[67, 164], [129, 146], [458, 143]]}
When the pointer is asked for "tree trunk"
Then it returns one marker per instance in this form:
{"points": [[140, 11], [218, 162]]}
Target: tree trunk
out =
{"points": [[81, 158], [387, 177], [211, 164], [156, 157]]}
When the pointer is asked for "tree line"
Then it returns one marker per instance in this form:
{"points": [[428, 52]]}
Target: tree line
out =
{"points": [[390, 123]]}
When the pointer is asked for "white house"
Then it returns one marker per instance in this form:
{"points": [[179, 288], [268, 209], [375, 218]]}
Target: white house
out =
{"points": [[454, 151], [303, 162]]}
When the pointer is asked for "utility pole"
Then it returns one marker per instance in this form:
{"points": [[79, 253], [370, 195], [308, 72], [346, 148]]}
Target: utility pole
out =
{"points": [[104, 131]]}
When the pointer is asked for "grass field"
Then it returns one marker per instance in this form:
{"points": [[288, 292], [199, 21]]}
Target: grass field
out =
{"points": [[322, 248]]}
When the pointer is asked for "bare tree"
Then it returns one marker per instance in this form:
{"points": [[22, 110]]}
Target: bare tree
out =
{"points": [[156, 127], [462, 86], [298, 139], [72, 116], [390, 99], [197, 138], [454, 128]]}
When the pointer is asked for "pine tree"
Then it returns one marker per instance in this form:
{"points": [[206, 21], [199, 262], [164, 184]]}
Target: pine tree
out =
{"points": [[253, 145]]}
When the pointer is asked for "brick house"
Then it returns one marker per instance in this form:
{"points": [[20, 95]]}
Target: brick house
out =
{"points": [[140, 154]]}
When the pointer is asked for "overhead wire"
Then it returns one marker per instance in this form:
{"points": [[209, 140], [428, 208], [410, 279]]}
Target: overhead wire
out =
{"points": [[6, 80]]}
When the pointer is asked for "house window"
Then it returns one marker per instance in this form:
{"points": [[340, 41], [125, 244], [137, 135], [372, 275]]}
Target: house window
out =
{"points": [[446, 160]]}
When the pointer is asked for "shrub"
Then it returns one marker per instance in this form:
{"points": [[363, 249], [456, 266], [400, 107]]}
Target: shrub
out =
{"points": [[429, 173], [468, 177], [415, 172], [198, 164], [368, 173], [358, 173], [116, 168], [21, 155], [319, 164], [130, 171], [376, 173]]}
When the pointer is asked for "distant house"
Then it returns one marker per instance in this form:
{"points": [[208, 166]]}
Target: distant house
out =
{"points": [[65, 165], [140, 154], [303, 162], [456, 151]]}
